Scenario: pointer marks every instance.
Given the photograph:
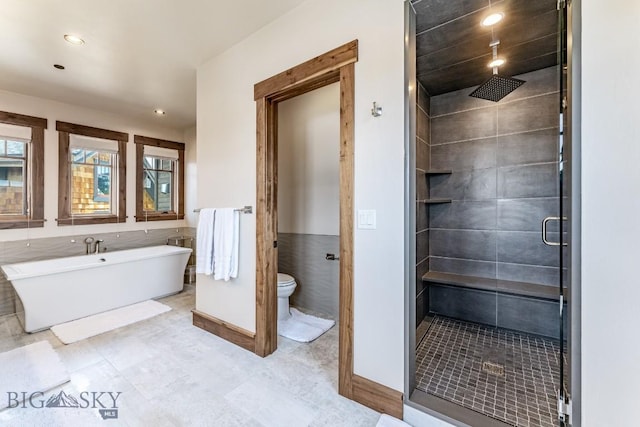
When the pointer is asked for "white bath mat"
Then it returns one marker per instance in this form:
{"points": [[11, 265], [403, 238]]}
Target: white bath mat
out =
{"points": [[97, 324], [32, 368], [303, 327]]}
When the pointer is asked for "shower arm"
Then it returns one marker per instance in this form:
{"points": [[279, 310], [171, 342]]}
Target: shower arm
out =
{"points": [[494, 48]]}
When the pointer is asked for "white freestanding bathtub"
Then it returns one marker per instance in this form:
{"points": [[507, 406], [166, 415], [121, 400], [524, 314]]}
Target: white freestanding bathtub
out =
{"points": [[59, 290]]}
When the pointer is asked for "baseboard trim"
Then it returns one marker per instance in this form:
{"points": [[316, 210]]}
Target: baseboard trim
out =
{"points": [[377, 396], [238, 336]]}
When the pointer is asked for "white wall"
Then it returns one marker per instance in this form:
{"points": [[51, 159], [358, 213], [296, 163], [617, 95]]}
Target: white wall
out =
{"points": [[610, 212], [227, 162], [309, 163], [53, 110]]}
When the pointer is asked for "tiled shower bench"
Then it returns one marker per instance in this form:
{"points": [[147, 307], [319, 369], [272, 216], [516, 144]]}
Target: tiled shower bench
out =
{"points": [[524, 307]]}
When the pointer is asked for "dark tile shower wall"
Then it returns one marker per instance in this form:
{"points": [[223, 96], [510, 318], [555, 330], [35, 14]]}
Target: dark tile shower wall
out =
{"points": [[422, 192], [504, 182]]}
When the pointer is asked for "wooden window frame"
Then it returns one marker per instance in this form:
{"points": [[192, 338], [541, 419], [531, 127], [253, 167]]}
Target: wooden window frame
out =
{"points": [[141, 215], [35, 161], [64, 174]]}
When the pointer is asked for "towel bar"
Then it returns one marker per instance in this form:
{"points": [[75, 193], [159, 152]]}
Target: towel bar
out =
{"points": [[246, 210]]}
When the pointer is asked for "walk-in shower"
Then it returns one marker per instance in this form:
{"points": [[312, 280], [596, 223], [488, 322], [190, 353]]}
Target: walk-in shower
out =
{"points": [[491, 301]]}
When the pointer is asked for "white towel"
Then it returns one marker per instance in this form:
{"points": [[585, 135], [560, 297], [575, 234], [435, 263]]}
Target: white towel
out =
{"points": [[204, 242], [226, 234]]}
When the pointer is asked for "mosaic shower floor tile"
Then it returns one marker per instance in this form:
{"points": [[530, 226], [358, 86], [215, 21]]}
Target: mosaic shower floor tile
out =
{"points": [[507, 375]]}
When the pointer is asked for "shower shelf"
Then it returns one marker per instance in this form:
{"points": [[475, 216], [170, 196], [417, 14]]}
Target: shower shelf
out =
{"points": [[435, 201], [438, 171]]}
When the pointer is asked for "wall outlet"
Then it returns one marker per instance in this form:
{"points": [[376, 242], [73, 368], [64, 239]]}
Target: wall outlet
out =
{"points": [[367, 219]]}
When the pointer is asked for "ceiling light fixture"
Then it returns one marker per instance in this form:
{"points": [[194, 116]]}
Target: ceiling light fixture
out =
{"points": [[159, 112], [498, 62], [492, 19], [70, 38], [58, 66]]}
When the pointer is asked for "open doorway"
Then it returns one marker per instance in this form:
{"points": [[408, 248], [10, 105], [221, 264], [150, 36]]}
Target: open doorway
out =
{"points": [[333, 67], [308, 212]]}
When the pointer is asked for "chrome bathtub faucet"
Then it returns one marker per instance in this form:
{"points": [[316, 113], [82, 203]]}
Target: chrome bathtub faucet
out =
{"points": [[97, 251], [88, 241]]}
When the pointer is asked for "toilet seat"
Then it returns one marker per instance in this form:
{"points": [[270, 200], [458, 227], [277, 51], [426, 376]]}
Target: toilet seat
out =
{"points": [[285, 280]]}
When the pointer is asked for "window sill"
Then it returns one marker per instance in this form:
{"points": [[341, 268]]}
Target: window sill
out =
{"points": [[8, 224], [159, 217], [87, 220]]}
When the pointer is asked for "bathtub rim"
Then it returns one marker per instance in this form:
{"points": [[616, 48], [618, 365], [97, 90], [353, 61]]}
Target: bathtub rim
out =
{"points": [[17, 275]]}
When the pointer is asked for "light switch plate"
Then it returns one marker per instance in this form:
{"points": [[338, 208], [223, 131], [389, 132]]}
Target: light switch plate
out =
{"points": [[367, 219]]}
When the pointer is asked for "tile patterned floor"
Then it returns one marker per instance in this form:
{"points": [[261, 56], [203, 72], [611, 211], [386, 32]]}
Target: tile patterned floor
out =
{"points": [[171, 373], [450, 366]]}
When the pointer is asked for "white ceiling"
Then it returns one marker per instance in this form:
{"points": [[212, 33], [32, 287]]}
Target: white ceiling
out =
{"points": [[138, 54]]}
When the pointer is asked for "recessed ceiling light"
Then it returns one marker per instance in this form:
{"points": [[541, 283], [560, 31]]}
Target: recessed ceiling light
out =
{"points": [[492, 19], [159, 112], [58, 66], [70, 38], [496, 63]]}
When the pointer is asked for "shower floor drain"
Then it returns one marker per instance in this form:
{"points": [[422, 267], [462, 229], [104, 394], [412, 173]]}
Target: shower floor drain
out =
{"points": [[493, 369]]}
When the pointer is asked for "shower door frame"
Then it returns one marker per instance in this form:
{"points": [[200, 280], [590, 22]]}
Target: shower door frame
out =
{"points": [[571, 173]]}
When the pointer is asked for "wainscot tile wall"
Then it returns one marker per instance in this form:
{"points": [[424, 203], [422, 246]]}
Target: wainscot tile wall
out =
{"points": [[57, 247], [303, 256], [423, 136], [504, 182]]}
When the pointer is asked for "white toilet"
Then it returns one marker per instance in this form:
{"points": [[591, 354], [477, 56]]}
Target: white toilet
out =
{"points": [[286, 285]]}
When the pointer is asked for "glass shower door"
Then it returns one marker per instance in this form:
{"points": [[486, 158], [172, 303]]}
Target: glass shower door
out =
{"points": [[563, 228], [564, 177]]}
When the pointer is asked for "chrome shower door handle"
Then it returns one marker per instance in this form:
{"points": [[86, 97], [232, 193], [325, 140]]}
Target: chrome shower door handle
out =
{"points": [[544, 230]]}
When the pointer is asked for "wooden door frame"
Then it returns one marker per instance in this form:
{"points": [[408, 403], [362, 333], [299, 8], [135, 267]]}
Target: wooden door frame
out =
{"points": [[334, 66], [337, 65]]}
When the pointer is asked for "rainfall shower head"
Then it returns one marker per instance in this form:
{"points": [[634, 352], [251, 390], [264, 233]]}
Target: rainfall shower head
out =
{"points": [[496, 88]]}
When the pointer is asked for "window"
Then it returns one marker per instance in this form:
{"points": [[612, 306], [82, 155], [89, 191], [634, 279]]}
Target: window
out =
{"points": [[92, 175], [91, 181], [160, 179], [13, 176], [21, 171], [158, 184]]}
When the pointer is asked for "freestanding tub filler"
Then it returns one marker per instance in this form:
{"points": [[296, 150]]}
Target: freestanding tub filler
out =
{"points": [[59, 290]]}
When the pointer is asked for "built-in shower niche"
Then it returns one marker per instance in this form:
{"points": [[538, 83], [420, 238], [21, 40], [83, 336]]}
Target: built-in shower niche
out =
{"points": [[494, 178]]}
